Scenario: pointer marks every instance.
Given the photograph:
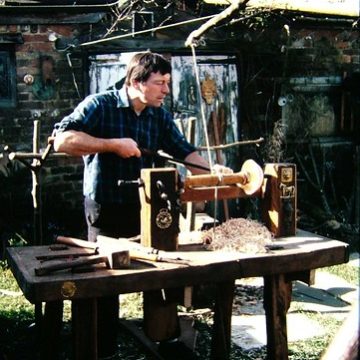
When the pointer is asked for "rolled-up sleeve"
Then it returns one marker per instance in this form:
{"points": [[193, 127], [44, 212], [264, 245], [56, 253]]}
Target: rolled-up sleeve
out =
{"points": [[84, 117]]}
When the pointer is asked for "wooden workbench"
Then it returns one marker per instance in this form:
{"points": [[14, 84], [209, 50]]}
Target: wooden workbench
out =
{"points": [[294, 258]]}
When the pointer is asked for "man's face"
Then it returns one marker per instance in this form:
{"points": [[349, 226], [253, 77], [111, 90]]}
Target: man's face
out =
{"points": [[154, 90]]}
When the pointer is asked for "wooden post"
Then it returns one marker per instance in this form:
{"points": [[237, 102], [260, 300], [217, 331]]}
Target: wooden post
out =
{"points": [[159, 209], [357, 186], [161, 321], [50, 330], [277, 298], [221, 338], [84, 322], [36, 186], [190, 206], [160, 229], [219, 158], [279, 199]]}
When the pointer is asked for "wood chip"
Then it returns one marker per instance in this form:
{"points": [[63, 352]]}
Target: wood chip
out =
{"points": [[242, 235]]}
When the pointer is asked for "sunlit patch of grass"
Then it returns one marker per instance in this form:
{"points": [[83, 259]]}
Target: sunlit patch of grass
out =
{"points": [[7, 280], [311, 349], [346, 272], [13, 304], [131, 305]]}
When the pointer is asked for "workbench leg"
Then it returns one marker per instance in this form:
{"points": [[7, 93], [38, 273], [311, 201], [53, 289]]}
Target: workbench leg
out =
{"points": [[50, 330], [277, 298], [38, 318], [221, 337], [84, 328], [161, 321]]}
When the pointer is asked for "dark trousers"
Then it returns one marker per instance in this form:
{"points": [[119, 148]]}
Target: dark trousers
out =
{"points": [[116, 221]]}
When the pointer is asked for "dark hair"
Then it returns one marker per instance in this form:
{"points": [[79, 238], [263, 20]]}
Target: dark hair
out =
{"points": [[143, 64]]}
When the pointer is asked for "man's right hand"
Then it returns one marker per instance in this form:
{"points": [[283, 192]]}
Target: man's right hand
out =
{"points": [[125, 147]]}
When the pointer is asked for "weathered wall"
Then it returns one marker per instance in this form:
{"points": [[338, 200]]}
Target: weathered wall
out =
{"points": [[272, 60], [300, 93], [47, 99]]}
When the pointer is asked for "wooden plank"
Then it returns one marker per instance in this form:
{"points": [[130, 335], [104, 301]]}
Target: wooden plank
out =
{"points": [[308, 276], [149, 346], [303, 252], [287, 261]]}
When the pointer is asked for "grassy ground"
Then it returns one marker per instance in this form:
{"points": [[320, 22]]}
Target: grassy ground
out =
{"points": [[18, 335]]}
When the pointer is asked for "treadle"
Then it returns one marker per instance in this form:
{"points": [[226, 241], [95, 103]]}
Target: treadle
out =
{"points": [[149, 346], [171, 350], [176, 350]]}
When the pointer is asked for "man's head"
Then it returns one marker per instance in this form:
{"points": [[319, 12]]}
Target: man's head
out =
{"points": [[143, 64], [148, 80]]}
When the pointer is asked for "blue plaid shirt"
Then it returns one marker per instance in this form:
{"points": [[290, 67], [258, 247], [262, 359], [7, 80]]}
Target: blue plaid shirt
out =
{"points": [[109, 115]]}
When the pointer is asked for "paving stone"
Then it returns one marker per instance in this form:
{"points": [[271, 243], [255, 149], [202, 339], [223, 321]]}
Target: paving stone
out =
{"points": [[249, 332], [330, 294], [312, 298]]}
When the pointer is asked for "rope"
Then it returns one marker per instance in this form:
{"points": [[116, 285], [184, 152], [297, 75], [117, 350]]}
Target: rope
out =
{"points": [[215, 212], [131, 34]]}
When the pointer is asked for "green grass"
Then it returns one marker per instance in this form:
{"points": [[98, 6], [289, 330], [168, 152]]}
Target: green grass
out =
{"points": [[346, 272], [311, 349]]}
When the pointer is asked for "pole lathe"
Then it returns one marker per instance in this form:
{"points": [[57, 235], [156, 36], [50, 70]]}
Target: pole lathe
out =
{"points": [[161, 197]]}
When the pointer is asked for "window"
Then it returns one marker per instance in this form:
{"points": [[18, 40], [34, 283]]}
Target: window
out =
{"points": [[7, 79]]}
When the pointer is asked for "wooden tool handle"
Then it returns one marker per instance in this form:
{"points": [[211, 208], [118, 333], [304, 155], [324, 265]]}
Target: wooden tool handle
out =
{"points": [[76, 242], [70, 264]]}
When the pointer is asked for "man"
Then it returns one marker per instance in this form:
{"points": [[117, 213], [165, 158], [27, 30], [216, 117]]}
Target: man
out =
{"points": [[108, 130]]}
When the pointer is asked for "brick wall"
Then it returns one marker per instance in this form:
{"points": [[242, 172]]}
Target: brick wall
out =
{"points": [[325, 51], [61, 177]]}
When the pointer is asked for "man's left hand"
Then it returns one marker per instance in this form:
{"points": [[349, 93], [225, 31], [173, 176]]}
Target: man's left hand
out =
{"points": [[221, 170]]}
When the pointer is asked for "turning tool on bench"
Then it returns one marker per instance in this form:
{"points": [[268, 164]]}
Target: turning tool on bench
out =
{"points": [[67, 255], [113, 258], [136, 251]]}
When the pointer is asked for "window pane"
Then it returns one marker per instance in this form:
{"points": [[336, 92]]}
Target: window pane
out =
{"points": [[7, 80]]}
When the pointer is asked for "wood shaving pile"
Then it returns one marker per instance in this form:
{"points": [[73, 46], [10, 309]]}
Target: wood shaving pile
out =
{"points": [[242, 235]]}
